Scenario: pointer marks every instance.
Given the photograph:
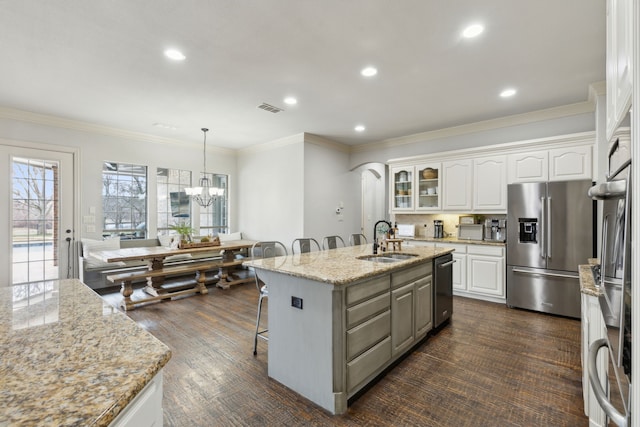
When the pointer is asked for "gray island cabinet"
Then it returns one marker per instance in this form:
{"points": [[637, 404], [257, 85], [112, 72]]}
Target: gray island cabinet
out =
{"points": [[337, 321]]}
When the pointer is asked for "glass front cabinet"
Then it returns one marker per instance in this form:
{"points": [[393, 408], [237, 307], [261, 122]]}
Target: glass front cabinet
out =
{"points": [[428, 187], [402, 188], [415, 188]]}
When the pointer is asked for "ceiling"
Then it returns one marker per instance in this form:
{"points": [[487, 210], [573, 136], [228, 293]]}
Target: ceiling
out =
{"points": [[102, 62]]}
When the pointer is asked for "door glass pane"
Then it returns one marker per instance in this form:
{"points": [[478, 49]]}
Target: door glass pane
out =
{"points": [[35, 225]]}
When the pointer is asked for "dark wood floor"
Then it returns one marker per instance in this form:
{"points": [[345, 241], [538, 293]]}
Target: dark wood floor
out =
{"points": [[491, 366]]}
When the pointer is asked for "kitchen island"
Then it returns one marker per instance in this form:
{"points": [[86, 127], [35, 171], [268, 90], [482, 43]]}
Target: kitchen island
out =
{"points": [[70, 358], [339, 318]]}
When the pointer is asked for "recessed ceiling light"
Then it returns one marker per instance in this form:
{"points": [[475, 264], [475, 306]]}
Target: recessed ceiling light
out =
{"points": [[359, 128], [369, 72], [290, 100], [174, 54], [507, 93], [472, 31], [165, 126]]}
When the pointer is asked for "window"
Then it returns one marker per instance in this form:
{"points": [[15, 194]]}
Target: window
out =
{"points": [[213, 219], [174, 206], [124, 200]]}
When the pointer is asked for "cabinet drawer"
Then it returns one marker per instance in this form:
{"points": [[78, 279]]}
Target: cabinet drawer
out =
{"points": [[459, 249], [485, 250], [364, 290], [367, 334], [367, 309], [368, 363], [411, 274]]}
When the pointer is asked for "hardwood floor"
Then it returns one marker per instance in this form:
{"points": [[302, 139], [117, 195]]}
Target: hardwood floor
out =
{"points": [[491, 366]]}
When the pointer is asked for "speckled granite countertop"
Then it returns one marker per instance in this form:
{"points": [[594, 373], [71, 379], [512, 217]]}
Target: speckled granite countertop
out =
{"points": [[341, 266], [455, 240], [69, 358], [587, 281]]}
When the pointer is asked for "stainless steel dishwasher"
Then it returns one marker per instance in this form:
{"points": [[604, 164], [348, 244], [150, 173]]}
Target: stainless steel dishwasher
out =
{"points": [[443, 289]]}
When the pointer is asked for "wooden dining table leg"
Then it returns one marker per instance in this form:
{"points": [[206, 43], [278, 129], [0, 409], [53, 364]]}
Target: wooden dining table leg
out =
{"points": [[154, 284]]}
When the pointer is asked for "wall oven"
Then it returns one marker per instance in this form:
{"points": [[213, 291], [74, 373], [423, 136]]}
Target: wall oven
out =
{"points": [[614, 281]]}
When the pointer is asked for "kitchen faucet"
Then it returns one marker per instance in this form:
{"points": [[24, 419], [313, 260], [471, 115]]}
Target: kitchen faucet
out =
{"points": [[375, 235]]}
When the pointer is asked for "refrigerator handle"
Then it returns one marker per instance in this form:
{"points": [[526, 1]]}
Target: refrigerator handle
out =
{"points": [[548, 225], [543, 223]]}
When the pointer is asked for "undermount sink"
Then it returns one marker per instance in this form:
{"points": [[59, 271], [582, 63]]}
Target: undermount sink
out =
{"points": [[390, 257]]}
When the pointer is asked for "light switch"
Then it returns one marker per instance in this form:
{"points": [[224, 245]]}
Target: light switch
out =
{"points": [[91, 228]]}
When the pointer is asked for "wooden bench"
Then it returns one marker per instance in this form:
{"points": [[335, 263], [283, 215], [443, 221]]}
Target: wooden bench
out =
{"points": [[161, 293]]}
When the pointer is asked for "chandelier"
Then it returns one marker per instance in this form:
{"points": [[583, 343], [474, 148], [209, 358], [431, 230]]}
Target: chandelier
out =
{"points": [[204, 194]]}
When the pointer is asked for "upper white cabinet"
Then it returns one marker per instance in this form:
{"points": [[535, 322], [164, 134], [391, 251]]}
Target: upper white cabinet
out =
{"points": [[556, 164], [457, 185], [490, 183], [619, 61], [566, 164], [428, 194], [528, 167], [402, 188], [475, 180]]}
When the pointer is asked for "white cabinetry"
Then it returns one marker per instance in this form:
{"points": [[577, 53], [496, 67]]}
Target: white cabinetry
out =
{"points": [[485, 270], [428, 190], [619, 61], [490, 184], [402, 188], [566, 164], [592, 329], [456, 182], [145, 409], [556, 164]]}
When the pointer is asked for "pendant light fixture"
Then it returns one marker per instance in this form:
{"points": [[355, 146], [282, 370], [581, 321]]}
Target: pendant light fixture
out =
{"points": [[204, 194]]}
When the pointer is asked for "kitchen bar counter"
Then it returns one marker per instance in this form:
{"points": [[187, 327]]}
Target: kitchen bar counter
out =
{"points": [[68, 357], [337, 321], [341, 266]]}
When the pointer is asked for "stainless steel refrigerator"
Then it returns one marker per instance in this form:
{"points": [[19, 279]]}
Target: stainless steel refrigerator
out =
{"points": [[550, 233]]}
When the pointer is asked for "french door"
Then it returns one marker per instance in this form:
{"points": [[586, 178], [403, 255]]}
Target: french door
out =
{"points": [[37, 190]]}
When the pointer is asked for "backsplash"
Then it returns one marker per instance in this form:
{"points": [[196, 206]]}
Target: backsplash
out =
{"points": [[424, 222]]}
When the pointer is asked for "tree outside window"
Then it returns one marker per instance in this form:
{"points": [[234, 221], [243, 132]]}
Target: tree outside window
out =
{"points": [[124, 200]]}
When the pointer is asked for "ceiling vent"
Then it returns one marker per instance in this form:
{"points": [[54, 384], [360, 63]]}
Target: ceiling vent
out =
{"points": [[269, 107]]}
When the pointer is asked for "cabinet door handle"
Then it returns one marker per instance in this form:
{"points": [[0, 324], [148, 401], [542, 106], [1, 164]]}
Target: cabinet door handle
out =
{"points": [[446, 264], [594, 379]]}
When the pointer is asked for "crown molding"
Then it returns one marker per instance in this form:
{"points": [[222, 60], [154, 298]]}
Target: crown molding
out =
{"points": [[276, 143], [502, 122], [76, 125], [328, 143], [579, 138]]}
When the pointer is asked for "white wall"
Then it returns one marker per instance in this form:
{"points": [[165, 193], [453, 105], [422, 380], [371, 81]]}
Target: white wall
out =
{"points": [[99, 144], [270, 183], [328, 184]]}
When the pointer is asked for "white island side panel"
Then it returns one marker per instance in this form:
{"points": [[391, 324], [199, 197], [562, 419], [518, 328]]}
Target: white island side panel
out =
{"points": [[300, 341]]}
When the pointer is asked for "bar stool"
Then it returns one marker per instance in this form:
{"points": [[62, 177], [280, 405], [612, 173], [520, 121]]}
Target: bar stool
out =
{"points": [[331, 242], [357, 239], [304, 245], [263, 250]]}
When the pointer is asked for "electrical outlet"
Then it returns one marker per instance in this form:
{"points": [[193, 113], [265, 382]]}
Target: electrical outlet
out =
{"points": [[296, 302]]}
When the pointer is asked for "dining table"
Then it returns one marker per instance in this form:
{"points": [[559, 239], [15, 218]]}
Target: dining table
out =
{"points": [[232, 253]]}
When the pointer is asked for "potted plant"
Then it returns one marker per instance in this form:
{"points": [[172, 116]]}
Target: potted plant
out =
{"points": [[184, 230]]}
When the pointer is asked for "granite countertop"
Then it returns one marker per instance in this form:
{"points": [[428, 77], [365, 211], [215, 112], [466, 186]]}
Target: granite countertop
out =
{"points": [[455, 240], [341, 266], [68, 357], [587, 281]]}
